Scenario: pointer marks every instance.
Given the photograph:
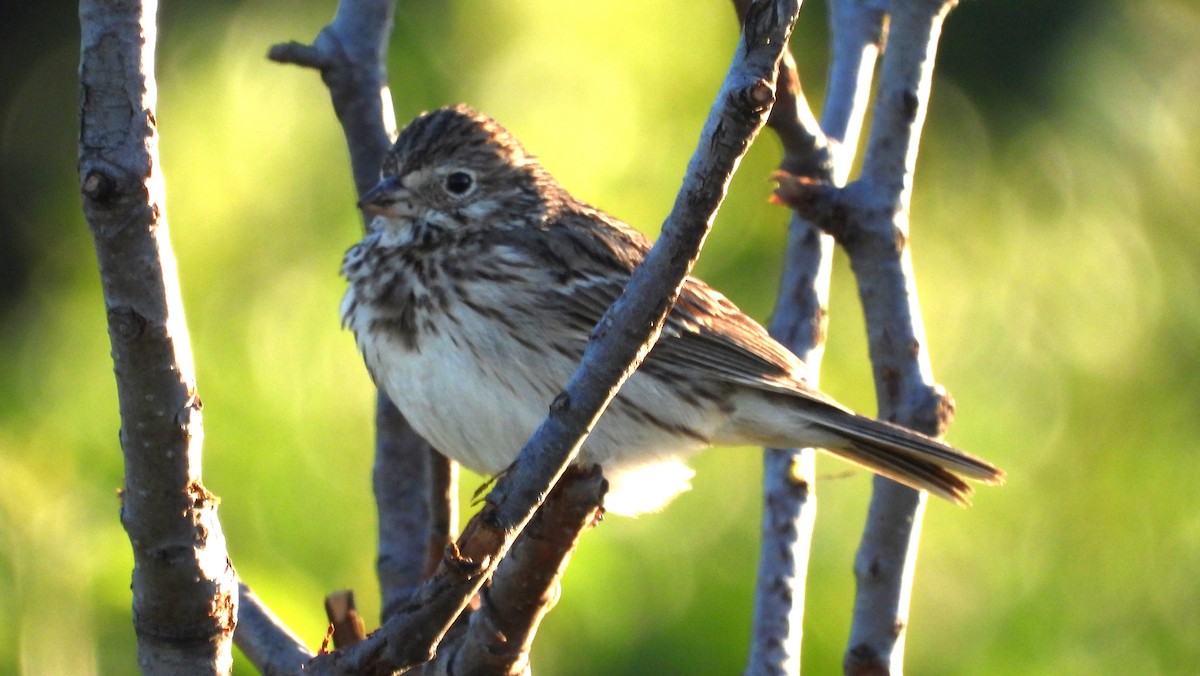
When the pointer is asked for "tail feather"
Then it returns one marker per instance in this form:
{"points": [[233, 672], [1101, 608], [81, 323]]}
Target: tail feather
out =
{"points": [[909, 457]]}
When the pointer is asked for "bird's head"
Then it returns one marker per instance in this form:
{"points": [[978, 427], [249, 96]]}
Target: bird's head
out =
{"points": [[455, 168]]}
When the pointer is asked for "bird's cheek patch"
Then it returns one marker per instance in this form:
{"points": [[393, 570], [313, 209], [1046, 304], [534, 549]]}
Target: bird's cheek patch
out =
{"points": [[413, 179], [480, 208]]}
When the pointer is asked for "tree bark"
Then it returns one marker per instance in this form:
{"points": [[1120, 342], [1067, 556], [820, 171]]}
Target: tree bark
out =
{"points": [[882, 262], [184, 588]]}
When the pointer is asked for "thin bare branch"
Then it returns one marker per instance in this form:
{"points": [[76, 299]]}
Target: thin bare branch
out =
{"points": [[882, 264], [265, 640], [405, 498], [184, 588], [411, 493]]}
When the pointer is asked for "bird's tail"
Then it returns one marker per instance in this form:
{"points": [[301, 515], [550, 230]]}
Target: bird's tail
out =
{"points": [[909, 457]]}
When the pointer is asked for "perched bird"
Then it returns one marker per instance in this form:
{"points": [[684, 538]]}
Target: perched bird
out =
{"points": [[475, 290]]}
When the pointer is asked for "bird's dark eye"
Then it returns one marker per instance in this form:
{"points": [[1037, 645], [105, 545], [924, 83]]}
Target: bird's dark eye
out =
{"points": [[459, 182]]}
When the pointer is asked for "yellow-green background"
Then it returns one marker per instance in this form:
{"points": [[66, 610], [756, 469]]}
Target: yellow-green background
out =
{"points": [[1055, 240]]}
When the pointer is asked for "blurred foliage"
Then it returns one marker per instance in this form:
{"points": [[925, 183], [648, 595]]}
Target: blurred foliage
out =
{"points": [[1055, 243]]}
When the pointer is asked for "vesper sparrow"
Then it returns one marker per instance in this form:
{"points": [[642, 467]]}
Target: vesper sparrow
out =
{"points": [[475, 290]]}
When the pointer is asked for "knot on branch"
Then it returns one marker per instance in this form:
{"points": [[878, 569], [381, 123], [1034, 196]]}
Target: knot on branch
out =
{"points": [[463, 566], [126, 324], [756, 98], [933, 411], [910, 105], [99, 187], [561, 403], [864, 660], [200, 497]]}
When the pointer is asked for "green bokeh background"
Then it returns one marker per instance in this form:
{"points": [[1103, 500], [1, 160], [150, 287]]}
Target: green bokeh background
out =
{"points": [[1057, 253]]}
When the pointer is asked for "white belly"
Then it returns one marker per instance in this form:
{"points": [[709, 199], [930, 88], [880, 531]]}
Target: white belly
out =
{"points": [[481, 411], [474, 411]]}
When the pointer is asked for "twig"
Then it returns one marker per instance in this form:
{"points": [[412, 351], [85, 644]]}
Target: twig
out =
{"points": [[342, 613], [265, 640], [444, 522], [351, 53], [184, 589]]}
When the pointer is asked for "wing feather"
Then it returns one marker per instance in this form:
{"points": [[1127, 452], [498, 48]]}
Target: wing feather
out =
{"points": [[593, 257]]}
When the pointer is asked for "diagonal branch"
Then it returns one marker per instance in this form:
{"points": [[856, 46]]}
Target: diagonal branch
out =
{"points": [[526, 584], [620, 341], [264, 639]]}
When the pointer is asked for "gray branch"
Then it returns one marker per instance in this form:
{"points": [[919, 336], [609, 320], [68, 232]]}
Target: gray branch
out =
{"points": [[405, 498], [265, 640], [184, 590], [821, 153], [877, 242]]}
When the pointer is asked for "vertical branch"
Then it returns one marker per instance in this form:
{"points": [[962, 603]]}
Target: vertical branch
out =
{"points": [[405, 497], [184, 588], [821, 153], [414, 504], [877, 242], [856, 33], [789, 501]]}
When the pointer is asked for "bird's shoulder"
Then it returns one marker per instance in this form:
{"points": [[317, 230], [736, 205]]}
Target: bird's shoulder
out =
{"points": [[575, 239]]}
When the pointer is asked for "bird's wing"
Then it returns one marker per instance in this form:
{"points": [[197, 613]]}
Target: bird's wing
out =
{"points": [[705, 331]]}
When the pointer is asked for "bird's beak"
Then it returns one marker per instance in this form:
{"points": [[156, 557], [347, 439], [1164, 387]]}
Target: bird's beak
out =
{"points": [[388, 198]]}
